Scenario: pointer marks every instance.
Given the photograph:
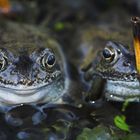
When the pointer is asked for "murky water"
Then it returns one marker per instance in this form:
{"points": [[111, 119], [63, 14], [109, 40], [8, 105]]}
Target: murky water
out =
{"points": [[66, 122]]}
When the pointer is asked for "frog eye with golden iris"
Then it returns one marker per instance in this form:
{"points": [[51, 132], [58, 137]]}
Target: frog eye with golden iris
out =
{"points": [[3, 61], [48, 61], [108, 54]]}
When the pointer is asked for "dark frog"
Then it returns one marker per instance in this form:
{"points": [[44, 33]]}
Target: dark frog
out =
{"points": [[116, 64], [32, 66]]}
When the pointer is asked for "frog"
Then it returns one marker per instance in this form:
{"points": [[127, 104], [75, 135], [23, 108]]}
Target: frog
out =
{"points": [[35, 84], [116, 64], [33, 67], [89, 39]]}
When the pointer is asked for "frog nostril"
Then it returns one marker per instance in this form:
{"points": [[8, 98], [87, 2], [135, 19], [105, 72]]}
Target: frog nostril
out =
{"points": [[126, 63], [133, 74]]}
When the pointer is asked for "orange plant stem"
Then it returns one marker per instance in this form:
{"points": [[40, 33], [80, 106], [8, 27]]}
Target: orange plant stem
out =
{"points": [[136, 32]]}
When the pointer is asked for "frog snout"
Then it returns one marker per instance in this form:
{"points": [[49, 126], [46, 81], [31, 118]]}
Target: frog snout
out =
{"points": [[24, 65]]}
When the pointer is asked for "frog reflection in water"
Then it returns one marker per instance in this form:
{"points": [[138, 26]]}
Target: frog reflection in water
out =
{"points": [[32, 66], [117, 66]]}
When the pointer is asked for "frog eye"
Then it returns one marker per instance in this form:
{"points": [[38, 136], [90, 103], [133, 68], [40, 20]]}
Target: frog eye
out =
{"points": [[48, 61], [108, 54], [3, 62]]}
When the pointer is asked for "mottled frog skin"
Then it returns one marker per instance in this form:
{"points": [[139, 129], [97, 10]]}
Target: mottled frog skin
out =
{"points": [[116, 64], [32, 66]]}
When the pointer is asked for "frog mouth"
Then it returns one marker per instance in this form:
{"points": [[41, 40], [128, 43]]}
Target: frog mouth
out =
{"points": [[117, 76], [41, 94], [122, 90], [23, 89]]}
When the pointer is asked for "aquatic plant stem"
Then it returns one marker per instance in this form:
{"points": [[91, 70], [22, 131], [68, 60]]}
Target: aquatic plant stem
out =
{"points": [[136, 33]]}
